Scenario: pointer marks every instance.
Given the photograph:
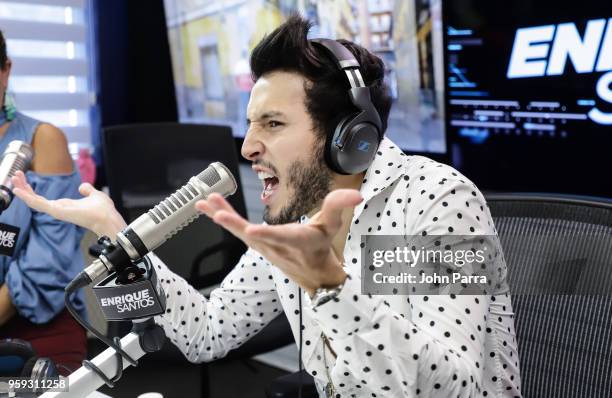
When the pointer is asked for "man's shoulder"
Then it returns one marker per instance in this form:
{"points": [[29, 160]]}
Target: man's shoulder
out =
{"points": [[429, 182], [418, 165], [432, 172], [420, 173]]}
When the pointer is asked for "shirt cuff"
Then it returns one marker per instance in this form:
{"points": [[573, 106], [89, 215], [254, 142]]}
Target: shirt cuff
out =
{"points": [[342, 316]]}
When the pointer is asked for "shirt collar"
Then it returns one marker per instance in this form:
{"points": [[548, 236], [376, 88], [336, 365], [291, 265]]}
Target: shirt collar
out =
{"points": [[389, 164]]}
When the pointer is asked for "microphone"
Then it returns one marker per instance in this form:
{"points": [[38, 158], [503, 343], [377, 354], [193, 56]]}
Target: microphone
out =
{"points": [[132, 291], [17, 156], [152, 229]]}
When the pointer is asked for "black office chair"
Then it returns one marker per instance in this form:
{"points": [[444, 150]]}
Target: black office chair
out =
{"points": [[146, 162], [559, 255]]}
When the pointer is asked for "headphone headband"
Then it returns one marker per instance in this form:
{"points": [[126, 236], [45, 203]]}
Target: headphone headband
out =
{"points": [[352, 146], [346, 61]]}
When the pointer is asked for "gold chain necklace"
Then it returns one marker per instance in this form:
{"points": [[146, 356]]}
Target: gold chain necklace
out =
{"points": [[329, 388]]}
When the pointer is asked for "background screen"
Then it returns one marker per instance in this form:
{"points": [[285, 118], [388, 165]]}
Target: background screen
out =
{"points": [[210, 42], [529, 102]]}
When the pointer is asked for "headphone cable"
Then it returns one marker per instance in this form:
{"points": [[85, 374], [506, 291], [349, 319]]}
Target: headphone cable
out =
{"points": [[300, 350]]}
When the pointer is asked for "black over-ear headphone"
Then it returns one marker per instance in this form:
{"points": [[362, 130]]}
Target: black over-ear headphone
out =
{"points": [[19, 359], [355, 140]]}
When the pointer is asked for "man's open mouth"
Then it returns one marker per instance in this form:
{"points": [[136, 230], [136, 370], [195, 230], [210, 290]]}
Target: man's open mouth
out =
{"points": [[270, 185]]}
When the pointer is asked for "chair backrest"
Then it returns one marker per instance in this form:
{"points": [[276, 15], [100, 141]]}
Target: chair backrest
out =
{"points": [[146, 162], [559, 255]]}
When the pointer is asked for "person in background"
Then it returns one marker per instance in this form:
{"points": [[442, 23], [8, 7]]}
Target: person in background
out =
{"points": [[46, 252]]}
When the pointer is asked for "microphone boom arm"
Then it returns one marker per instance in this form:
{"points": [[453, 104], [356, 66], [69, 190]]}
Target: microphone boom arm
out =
{"points": [[123, 258], [83, 381]]}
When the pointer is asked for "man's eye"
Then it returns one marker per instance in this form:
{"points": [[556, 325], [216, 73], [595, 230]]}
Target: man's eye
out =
{"points": [[274, 123]]}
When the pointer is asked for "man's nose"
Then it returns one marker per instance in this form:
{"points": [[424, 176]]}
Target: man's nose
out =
{"points": [[252, 148]]}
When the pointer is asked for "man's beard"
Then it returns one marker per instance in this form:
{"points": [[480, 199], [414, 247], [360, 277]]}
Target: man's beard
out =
{"points": [[311, 182]]}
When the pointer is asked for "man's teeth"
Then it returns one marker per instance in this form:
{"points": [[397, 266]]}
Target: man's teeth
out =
{"points": [[262, 175]]}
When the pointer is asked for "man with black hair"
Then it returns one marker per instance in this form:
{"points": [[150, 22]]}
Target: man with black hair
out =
{"points": [[305, 260]]}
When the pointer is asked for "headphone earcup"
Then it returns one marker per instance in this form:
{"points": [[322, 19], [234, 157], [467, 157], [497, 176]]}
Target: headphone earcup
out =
{"points": [[331, 145], [39, 368], [28, 367], [352, 147], [14, 354]]}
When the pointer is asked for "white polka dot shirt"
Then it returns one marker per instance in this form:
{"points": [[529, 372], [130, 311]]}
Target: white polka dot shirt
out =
{"points": [[385, 346]]}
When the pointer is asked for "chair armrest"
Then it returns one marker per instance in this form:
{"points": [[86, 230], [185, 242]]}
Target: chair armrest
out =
{"points": [[289, 385], [274, 335], [195, 279], [209, 251]]}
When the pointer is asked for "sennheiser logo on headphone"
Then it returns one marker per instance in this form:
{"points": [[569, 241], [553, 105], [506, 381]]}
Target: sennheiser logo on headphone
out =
{"points": [[363, 146]]}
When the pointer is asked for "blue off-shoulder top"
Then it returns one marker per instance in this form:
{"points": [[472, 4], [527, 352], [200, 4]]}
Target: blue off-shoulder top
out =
{"points": [[47, 254]]}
